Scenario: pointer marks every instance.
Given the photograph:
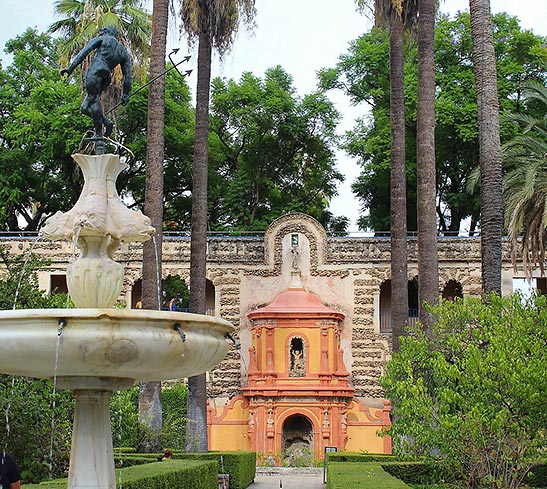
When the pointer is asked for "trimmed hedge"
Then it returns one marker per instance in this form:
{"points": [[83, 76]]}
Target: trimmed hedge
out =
{"points": [[348, 475], [358, 457], [415, 472], [240, 465], [118, 450], [419, 473], [123, 460], [172, 474]]}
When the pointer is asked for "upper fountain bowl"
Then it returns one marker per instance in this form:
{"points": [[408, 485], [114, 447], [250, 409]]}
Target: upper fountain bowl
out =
{"points": [[139, 345]]}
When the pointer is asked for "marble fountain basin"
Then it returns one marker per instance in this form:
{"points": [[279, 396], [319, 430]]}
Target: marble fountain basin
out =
{"points": [[137, 345]]}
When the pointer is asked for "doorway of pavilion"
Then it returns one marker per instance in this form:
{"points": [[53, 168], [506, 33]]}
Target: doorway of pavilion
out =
{"points": [[297, 441]]}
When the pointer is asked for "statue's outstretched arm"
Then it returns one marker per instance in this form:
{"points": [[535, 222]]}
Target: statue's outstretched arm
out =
{"points": [[91, 45]]}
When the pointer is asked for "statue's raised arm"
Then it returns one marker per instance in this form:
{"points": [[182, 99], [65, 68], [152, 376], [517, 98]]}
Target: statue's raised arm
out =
{"points": [[109, 53]]}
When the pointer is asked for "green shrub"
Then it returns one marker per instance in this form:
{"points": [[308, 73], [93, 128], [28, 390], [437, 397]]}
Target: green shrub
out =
{"points": [[29, 409], [124, 450], [537, 476], [124, 460], [173, 399], [128, 431], [416, 472], [473, 391], [358, 457], [172, 474], [350, 475], [240, 465]]}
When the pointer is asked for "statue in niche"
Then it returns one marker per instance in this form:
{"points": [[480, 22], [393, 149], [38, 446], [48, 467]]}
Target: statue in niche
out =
{"points": [[326, 422], [270, 420], [297, 366]]}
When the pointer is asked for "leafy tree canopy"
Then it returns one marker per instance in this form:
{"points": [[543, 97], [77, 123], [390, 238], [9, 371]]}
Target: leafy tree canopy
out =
{"points": [[363, 74], [39, 125], [474, 392], [270, 151], [273, 152]]}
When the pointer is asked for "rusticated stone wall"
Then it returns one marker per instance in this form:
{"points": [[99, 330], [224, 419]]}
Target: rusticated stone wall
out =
{"points": [[249, 272]]}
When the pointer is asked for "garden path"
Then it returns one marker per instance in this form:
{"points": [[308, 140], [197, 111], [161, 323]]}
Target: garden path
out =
{"points": [[288, 478]]}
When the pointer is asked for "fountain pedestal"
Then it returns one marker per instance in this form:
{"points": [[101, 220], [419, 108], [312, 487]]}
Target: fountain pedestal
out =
{"points": [[91, 454]]}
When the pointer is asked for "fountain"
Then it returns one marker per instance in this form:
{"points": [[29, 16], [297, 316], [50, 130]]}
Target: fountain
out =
{"points": [[96, 349]]}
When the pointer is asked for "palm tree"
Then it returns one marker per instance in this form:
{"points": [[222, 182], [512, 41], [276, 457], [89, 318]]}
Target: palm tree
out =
{"points": [[484, 63], [428, 270], [213, 24], [525, 185], [399, 269], [398, 15], [83, 18], [150, 409]]}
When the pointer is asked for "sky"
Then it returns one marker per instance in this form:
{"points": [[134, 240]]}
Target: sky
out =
{"points": [[302, 36]]}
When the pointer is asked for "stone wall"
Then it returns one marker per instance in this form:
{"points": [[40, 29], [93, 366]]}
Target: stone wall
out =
{"points": [[248, 272]]}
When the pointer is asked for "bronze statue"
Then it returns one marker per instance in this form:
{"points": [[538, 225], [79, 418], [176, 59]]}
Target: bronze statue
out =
{"points": [[109, 53]]}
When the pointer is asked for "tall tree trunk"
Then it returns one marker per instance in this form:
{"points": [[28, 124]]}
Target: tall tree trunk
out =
{"points": [[484, 61], [428, 273], [150, 409], [399, 280], [196, 428]]}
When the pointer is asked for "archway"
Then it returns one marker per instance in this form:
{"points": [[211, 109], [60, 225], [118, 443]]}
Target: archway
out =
{"points": [[136, 293], [451, 290], [297, 441], [385, 304]]}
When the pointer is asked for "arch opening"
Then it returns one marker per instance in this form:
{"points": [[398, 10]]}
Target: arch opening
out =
{"points": [[297, 441]]}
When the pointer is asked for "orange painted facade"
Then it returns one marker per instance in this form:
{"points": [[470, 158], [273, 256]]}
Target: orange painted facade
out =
{"points": [[297, 395]]}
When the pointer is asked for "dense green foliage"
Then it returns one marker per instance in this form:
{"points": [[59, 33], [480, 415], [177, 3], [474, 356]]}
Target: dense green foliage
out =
{"points": [[271, 151], [474, 393], [40, 124], [174, 286], [276, 152], [363, 74], [36, 413], [36, 418], [127, 431]]}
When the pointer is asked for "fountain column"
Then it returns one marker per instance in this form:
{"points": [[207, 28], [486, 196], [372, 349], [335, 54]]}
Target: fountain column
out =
{"points": [[98, 223]]}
